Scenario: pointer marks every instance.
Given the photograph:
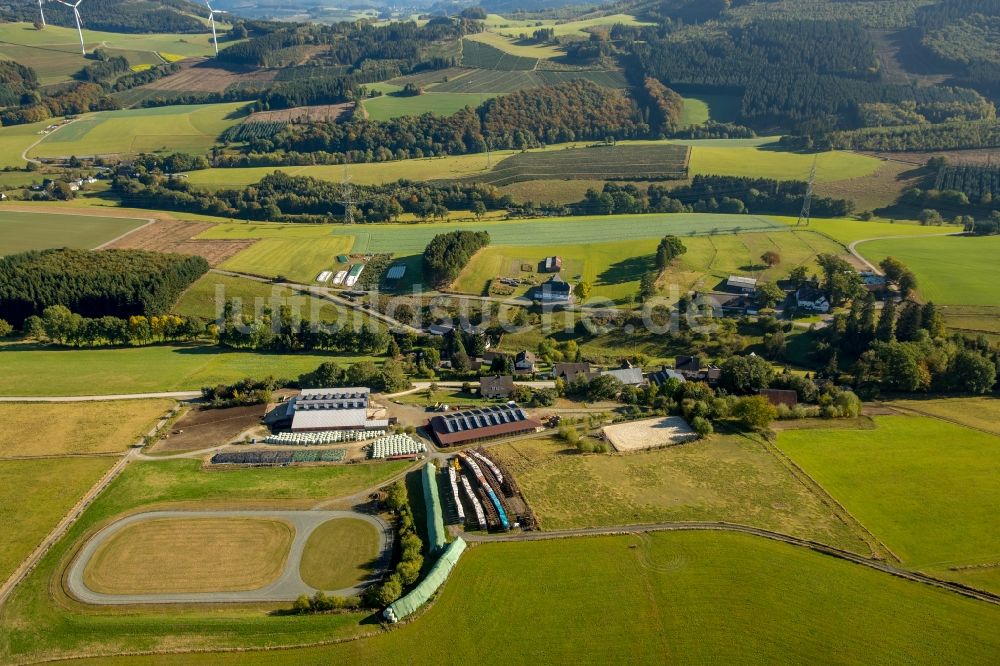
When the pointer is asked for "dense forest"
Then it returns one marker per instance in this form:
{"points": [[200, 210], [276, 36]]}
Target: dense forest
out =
{"points": [[17, 84], [447, 254], [946, 136], [133, 16], [576, 110], [117, 283]]}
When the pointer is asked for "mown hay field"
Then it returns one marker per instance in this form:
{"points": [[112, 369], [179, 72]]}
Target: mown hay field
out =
{"points": [[20, 232], [927, 488], [174, 555], [51, 429], [733, 479], [340, 553]]}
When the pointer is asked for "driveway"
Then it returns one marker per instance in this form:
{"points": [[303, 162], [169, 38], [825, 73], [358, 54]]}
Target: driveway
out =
{"points": [[287, 588]]}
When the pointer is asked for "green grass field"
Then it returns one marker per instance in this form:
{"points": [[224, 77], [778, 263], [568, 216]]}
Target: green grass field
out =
{"points": [[54, 52], [765, 162], [34, 623], [925, 487], [388, 107], [200, 300], [699, 109], [727, 478], [188, 129], [980, 413], [299, 260], [35, 495], [515, 47], [679, 597], [31, 371], [515, 27], [654, 162], [20, 232], [950, 270], [846, 231], [15, 140]]}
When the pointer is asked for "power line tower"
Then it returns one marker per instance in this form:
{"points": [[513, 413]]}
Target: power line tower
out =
{"points": [[807, 202], [348, 201]]}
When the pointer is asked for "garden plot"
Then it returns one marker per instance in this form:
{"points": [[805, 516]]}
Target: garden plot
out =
{"points": [[649, 434]]}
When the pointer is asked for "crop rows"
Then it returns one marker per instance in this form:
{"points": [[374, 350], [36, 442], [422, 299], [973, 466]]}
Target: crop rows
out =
{"points": [[498, 81], [668, 162], [250, 130], [484, 56]]}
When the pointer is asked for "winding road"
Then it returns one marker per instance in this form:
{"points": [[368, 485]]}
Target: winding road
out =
{"points": [[288, 587]]}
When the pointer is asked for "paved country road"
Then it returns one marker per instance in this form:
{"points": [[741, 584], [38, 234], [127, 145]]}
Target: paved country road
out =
{"points": [[288, 587]]}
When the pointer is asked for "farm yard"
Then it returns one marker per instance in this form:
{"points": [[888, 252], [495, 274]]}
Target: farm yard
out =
{"points": [[735, 479], [932, 514], [23, 231], [206, 427], [191, 129]]}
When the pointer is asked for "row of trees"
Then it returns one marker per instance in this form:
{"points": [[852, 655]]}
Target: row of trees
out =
{"points": [[447, 254], [283, 331], [119, 283], [247, 391], [709, 194], [390, 377], [58, 325]]}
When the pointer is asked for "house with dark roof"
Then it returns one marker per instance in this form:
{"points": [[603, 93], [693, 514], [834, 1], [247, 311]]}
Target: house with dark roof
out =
{"points": [[554, 290], [570, 371], [478, 425], [663, 375], [687, 363], [627, 376], [524, 362], [808, 297], [498, 386]]}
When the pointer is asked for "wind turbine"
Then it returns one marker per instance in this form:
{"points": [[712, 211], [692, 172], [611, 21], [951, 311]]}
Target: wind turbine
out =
{"points": [[42, 12], [79, 27], [211, 20]]}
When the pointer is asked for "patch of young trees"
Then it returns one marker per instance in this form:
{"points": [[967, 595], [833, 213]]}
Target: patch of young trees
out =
{"points": [[117, 283], [447, 254], [247, 391]]}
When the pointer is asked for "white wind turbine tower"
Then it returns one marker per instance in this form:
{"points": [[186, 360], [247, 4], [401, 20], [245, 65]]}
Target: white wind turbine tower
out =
{"points": [[211, 21], [79, 27], [42, 12]]}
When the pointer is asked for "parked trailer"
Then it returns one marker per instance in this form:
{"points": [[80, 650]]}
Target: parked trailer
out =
{"points": [[476, 506], [494, 500], [453, 478]]}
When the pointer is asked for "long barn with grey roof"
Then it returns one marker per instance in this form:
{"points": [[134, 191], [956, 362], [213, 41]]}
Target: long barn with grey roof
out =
{"points": [[476, 425], [328, 409]]}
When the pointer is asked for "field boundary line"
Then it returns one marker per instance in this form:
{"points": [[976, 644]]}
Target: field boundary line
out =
{"points": [[947, 419], [76, 511], [127, 233], [842, 513]]}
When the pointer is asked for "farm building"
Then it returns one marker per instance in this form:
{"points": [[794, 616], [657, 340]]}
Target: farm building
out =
{"points": [[440, 330], [555, 290], [524, 362], [570, 371], [317, 410], [496, 387], [872, 280], [627, 376], [808, 297], [742, 283], [662, 376], [552, 264], [780, 397], [477, 425], [396, 272]]}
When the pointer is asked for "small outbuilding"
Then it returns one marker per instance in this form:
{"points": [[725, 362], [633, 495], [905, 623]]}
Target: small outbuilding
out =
{"points": [[498, 386]]}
